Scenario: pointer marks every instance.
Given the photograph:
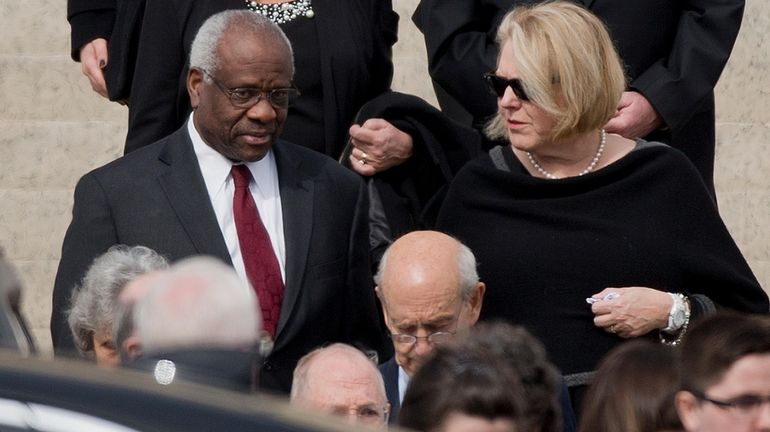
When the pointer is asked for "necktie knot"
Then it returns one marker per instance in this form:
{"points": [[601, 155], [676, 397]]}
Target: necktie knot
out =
{"points": [[241, 176]]}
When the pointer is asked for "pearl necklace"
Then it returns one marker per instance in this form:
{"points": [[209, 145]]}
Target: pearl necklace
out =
{"points": [[590, 167], [280, 13]]}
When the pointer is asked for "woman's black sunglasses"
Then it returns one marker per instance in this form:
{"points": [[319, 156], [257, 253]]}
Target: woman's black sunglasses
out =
{"points": [[497, 86]]}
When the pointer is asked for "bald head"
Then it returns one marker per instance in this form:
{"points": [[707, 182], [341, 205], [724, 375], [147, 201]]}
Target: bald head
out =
{"points": [[340, 379], [423, 258], [427, 283], [200, 303]]}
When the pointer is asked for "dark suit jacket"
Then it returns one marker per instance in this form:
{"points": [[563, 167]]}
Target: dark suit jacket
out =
{"points": [[389, 372], [157, 198], [674, 52], [354, 49]]}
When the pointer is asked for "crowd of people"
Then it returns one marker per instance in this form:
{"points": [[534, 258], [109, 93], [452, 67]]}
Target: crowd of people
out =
{"points": [[282, 222]]}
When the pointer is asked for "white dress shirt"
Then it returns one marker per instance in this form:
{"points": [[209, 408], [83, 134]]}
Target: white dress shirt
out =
{"points": [[403, 383], [264, 188]]}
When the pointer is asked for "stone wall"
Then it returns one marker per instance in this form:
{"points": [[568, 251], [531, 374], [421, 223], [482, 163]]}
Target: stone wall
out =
{"points": [[53, 129]]}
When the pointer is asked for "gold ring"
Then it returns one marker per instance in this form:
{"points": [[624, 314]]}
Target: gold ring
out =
{"points": [[362, 161], [612, 329], [363, 156]]}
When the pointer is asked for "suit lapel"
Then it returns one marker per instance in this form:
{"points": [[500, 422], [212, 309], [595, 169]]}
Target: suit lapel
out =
{"points": [[297, 208], [185, 190]]}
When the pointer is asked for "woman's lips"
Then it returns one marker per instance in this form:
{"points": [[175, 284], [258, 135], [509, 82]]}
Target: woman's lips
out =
{"points": [[513, 124]]}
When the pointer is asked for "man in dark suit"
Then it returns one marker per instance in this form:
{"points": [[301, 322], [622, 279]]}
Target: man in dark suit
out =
{"points": [[674, 52], [430, 290], [225, 182]]}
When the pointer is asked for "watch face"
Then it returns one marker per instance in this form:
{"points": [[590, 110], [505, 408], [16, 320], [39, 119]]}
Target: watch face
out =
{"points": [[679, 318]]}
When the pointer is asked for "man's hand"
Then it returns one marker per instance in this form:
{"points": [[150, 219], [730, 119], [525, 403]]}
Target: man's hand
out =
{"points": [[93, 59], [378, 146], [634, 312], [635, 117]]}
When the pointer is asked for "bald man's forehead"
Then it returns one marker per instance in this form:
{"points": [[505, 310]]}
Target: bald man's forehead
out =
{"points": [[335, 373], [426, 276]]}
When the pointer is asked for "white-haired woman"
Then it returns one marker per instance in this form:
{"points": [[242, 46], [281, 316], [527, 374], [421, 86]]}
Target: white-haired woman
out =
{"points": [[94, 303], [568, 214]]}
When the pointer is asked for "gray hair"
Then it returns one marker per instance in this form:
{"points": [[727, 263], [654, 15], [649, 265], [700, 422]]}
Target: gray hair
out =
{"points": [[94, 302], [203, 54], [466, 268], [200, 304], [301, 384]]}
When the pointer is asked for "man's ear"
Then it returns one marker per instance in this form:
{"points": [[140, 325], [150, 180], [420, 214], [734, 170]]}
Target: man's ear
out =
{"points": [[194, 83], [476, 301], [687, 408], [378, 291]]}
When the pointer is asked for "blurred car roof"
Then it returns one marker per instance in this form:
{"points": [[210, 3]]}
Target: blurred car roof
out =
{"points": [[70, 395]]}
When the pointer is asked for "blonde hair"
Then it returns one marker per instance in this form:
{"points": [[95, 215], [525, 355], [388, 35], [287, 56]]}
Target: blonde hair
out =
{"points": [[567, 64]]}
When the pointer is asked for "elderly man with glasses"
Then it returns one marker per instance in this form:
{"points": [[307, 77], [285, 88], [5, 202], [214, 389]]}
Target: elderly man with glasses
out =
{"points": [[430, 290], [292, 222]]}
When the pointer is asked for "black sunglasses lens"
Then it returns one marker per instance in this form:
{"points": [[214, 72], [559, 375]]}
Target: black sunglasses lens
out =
{"points": [[518, 89], [498, 86]]}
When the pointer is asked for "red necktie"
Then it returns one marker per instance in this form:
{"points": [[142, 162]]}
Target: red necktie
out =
{"points": [[262, 267]]}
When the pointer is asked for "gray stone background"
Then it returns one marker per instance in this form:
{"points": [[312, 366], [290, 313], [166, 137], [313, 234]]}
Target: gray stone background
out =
{"points": [[53, 129]]}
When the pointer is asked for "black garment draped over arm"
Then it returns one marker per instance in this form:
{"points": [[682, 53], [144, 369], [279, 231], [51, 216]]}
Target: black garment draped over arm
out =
{"points": [[674, 53], [543, 246]]}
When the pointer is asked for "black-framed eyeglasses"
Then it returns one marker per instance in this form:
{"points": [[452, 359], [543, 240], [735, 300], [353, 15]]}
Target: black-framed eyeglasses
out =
{"points": [[247, 97], [497, 85], [745, 405]]}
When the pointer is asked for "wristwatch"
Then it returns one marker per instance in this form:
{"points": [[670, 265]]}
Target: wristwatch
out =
{"points": [[679, 314]]}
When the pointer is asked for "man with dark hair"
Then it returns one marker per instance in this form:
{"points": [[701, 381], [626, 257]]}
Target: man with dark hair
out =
{"points": [[292, 222], [726, 374]]}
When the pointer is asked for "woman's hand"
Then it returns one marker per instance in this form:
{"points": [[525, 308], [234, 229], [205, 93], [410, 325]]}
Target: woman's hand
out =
{"points": [[634, 312], [635, 117], [378, 146], [93, 59]]}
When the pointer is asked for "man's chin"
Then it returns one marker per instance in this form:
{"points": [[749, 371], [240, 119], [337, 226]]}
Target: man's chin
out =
{"points": [[252, 150]]}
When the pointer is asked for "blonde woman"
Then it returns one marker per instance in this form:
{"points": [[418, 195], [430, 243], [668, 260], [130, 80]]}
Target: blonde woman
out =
{"points": [[583, 236]]}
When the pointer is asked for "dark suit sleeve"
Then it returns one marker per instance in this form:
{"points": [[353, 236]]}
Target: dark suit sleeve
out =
{"points": [[384, 38], [158, 82], [90, 234], [677, 83], [364, 323], [89, 20], [460, 39]]}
